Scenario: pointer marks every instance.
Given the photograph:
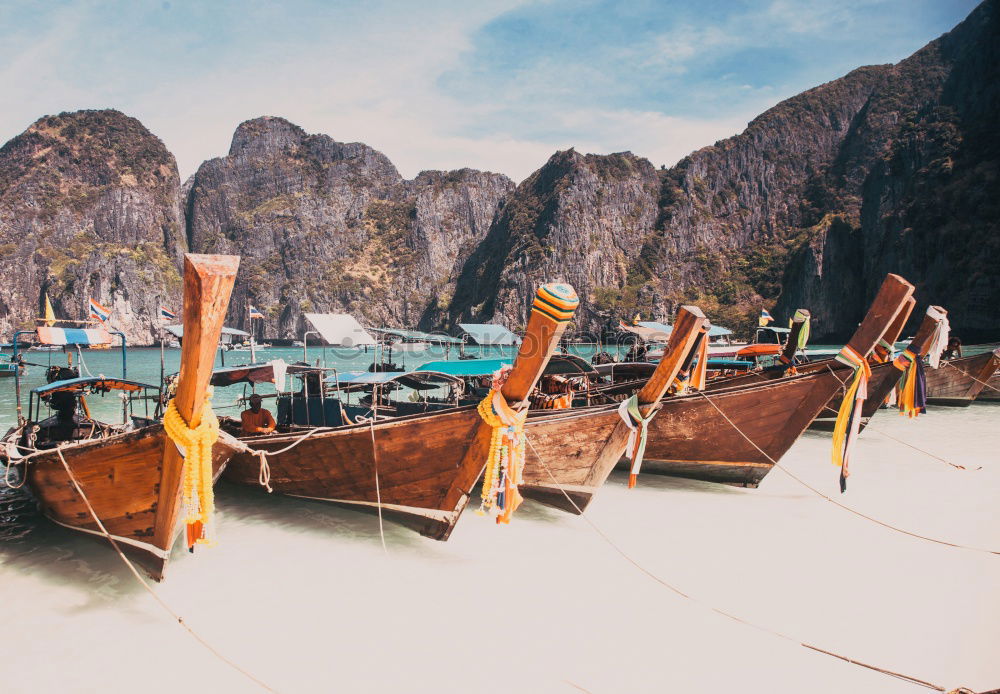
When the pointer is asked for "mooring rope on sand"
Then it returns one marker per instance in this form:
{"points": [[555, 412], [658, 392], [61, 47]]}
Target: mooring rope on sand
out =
{"points": [[921, 450], [157, 598], [837, 503], [673, 588], [264, 474]]}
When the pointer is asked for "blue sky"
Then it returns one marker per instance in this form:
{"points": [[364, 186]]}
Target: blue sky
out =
{"points": [[496, 85]]}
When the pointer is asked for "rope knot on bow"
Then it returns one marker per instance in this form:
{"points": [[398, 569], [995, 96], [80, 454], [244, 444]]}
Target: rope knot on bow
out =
{"points": [[638, 433], [505, 462], [197, 494], [912, 387]]}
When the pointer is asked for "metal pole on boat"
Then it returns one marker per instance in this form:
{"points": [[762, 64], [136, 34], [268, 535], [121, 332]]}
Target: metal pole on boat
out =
{"points": [[124, 345], [305, 346], [163, 375], [17, 375], [253, 352]]}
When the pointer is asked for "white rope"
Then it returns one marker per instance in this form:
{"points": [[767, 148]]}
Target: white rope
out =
{"points": [[837, 503], [264, 472], [378, 491], [139, 578], [966, 373], [673, 588], [921, 450]]}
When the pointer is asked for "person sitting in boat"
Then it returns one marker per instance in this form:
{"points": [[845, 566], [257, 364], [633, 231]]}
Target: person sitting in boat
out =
{"points": [[552, 393], [954, 348], [637, 352], [257, 420]]}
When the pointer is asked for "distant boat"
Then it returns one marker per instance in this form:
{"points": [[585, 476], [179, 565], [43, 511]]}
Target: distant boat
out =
{"points": [[7, 367]]}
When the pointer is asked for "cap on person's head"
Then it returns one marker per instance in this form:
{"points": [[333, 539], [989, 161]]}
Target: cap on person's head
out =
{"points": [[256, 398]]}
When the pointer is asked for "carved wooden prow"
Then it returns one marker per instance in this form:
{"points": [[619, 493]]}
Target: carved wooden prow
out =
{"points": [[921, 342], [881, 352], [678, 355], [889, 301], [208, 283], [799, 320], [551, 312]]}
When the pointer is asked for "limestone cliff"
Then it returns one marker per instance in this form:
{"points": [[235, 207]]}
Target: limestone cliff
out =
{"points": [[88, 208], [332, 227], [892, 168]]}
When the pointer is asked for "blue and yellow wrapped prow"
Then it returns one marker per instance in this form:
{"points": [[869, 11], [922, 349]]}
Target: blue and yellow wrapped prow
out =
{"points": [[556, 301]]}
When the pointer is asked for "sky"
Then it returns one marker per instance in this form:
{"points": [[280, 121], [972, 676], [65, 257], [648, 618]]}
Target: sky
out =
{"points": [[497, 85]]}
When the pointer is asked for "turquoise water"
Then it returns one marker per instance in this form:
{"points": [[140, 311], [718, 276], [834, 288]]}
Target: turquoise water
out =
{"points": [[143, 365]]}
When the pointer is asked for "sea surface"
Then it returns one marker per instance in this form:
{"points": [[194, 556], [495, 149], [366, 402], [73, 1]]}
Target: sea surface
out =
{"points": [[303, 595]]}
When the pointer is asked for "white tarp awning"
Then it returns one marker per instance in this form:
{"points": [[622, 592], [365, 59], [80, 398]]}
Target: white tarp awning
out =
{"points": [[648, 330], [227, 336], [340, 329], [489, 334]]}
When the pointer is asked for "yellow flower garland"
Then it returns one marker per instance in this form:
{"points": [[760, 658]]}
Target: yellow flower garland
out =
{"points": [[505, 462], [197, 493]]}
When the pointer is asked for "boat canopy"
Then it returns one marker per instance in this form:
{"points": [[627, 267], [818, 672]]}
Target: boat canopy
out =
{"points": [[93, 384], [569, 365], [488, 334], [729, 364], [227, 333], [419, 336], [652, 331], [340, 329], [559, 365], [465, 367], [273, 371], [649, 331], [626, 369], [73, 336], [418, 380]]}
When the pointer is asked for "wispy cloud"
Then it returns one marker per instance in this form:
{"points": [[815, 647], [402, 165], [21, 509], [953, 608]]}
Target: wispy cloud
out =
{"points": [[496, 85]]}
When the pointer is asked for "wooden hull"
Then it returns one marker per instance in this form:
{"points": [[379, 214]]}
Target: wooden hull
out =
{"points": [[690, 438], [121, 477], [959, 381], [424, 475], [572, 452], [992, 393], [884, 378]]}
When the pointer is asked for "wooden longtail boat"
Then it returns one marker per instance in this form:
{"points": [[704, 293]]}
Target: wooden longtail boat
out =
{"points": [[698, 435], [959, 381], [418, 469], [885, 375], [132, 476], [572, 452]]}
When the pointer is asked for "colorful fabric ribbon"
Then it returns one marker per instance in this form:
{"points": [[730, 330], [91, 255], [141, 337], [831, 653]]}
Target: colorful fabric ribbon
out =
{"points": [[638, 432], [845, 431], [197, 493], [939, 342], [803, 339], [699, 374], [505, 464], [885, 354], [912, 388]]}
